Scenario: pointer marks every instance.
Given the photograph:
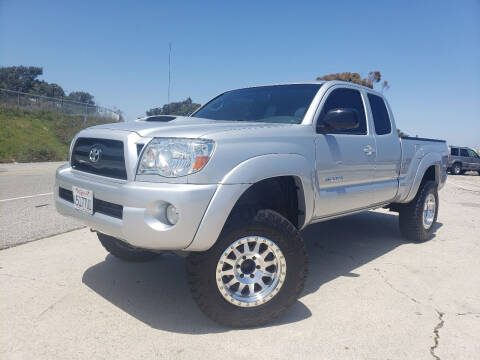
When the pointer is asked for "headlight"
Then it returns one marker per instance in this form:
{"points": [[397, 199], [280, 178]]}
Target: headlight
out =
{"points": [[174, 157]]}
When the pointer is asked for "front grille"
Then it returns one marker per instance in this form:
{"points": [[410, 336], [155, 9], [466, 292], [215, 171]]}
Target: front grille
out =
{"points": [[111, 160], [100, 206]]}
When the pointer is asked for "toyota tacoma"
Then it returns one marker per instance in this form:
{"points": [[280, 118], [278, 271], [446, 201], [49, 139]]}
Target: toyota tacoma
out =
{"points": [[233, 185]]}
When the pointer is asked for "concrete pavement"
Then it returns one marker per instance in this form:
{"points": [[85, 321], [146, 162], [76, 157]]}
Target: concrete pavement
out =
{"points": [[27, 211], [369, 295]]}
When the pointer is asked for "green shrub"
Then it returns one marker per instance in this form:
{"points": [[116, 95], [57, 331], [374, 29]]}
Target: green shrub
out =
{"points": [[31, 135]]}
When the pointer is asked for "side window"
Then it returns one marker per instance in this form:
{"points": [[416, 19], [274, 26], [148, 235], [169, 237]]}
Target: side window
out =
{"points": [[380, 115], [463, 152], [454, 151], [472, 153], [349, 99]]}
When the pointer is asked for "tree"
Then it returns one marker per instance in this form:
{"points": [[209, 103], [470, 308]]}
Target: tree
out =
{"points": [[81, 96], [46, 89], [19, 78], [401, 133], [25, 79], [56, 90], [374, 77], [181, 108]]}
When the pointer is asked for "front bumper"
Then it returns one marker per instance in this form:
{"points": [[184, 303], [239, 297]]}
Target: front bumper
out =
{"points": [[143, 223]]}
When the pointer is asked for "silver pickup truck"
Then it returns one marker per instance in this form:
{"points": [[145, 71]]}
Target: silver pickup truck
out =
{"points": [[233, 185]]}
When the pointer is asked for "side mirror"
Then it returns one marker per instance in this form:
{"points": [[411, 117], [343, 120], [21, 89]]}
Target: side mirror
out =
{"points": [[339, 120]]}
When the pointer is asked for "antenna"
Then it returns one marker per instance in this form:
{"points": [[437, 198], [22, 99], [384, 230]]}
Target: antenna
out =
{"points": [[169, 72]]}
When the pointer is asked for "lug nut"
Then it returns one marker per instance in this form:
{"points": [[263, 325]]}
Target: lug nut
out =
{"points": [[241, 275], [244, 257], [258, 266], [252, 276]]}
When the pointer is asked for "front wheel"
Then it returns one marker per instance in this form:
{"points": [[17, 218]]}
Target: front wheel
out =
{"points": [[255, 271], [418, 217]]}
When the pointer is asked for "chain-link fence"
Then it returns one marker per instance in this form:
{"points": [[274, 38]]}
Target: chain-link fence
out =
{"points": [[31, 102]]}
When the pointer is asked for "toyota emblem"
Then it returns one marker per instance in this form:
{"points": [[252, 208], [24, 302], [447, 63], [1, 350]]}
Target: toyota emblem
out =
{"points": [[94, 155]]}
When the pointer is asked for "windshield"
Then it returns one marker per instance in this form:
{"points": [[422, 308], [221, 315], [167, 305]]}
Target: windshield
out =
{"points": [[271, 104]]}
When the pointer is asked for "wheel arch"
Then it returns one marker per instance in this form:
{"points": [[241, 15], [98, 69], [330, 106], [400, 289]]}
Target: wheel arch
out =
{"points": [[283, 194], [244, 177], [428, 169], [457, 162]]}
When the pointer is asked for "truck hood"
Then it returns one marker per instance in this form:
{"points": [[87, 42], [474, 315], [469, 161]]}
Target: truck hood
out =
{"points": [[182, 126]]}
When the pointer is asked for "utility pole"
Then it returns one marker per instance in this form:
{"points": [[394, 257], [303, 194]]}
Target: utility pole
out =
{"points": [[169, 72]]}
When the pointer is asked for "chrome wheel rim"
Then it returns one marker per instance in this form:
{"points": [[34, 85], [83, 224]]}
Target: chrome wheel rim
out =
{"points": [[251, 271], [429, 211]]}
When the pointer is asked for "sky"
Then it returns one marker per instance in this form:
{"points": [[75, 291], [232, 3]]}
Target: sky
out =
{"points": [[429, 51]]}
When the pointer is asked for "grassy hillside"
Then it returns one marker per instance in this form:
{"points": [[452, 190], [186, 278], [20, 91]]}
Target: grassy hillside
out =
{"points": [[38, 135]]}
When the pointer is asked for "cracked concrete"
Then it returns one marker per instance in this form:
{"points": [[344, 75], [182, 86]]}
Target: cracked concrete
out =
{"points": [[51, 306], [369, 295], [468, 313], [436, 332], [385, 280]]}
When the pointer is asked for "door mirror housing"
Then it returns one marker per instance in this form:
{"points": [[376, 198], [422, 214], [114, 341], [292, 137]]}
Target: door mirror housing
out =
{"points": [[339, 120]]}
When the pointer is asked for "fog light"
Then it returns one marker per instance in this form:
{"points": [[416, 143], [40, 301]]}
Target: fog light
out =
{"points": [[172, 214]]}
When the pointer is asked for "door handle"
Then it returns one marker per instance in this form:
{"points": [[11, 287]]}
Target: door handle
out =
{"points": [[369, 150]]}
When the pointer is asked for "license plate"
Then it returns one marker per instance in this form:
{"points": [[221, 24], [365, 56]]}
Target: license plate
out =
{"points": [[83, 200]]}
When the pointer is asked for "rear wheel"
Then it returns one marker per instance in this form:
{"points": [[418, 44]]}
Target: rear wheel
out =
{"points": [[255, 271], [456, 169], [417, 218], [124, 251]]}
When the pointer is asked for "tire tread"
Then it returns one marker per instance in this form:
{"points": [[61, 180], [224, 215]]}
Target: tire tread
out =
{"points": [[123, 251], [195, 263], [410, 215]]}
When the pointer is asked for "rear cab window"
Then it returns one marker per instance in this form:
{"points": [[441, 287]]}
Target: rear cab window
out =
{"points": [[381, 119], [454, 151]]}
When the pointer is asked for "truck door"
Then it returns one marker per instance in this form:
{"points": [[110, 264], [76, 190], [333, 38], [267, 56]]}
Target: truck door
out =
{"points": [[466, 162], [345, 159], [389, 151], [474, 160]]}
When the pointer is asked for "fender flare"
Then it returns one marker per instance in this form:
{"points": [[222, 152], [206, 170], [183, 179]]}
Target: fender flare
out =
{"points": [[239, 179], [431, 159]]}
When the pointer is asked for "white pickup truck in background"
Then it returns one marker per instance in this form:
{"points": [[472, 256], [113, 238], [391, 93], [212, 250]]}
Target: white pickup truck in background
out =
{"points": [[234, 183]]}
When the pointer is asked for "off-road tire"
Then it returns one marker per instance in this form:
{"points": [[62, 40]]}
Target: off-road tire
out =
{"points": [[201, 270], [411, 214], [456, 169], [122, 250]]}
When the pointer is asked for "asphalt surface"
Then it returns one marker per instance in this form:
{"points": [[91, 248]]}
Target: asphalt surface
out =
{"points": [[369, 295], [27, 210]]}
